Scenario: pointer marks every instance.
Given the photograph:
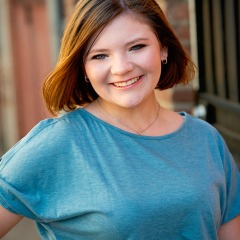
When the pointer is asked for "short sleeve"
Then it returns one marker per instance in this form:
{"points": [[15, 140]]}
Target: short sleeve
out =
{"points": [[14, 200], [24, 175], [231, 207]]}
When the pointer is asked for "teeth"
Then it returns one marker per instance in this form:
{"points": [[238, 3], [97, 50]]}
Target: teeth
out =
{"points": [[127, 83]]}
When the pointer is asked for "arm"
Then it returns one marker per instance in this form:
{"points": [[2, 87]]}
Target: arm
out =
{"points": [[230, 230], [7, 221]]}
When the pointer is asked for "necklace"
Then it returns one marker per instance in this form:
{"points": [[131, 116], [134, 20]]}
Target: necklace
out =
{"points": [[117, 120]]}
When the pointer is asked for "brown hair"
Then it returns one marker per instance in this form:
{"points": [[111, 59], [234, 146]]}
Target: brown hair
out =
{"points": [[65, 87]]}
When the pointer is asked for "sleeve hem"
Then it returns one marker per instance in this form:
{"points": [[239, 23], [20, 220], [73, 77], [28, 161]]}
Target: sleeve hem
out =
{"points": [[6, 206], [231, 217]]}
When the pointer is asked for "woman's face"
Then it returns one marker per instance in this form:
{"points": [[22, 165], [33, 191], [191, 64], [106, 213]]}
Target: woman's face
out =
{"points": [[124, 63]]}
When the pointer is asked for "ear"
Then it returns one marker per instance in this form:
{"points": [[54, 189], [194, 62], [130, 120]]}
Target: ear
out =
{"points": [[164, 53]]}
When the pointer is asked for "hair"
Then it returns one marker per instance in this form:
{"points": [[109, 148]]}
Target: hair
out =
{"points": [[65, 87]]}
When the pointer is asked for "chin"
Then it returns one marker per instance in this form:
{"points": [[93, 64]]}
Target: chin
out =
{"points": [[130, 104]]}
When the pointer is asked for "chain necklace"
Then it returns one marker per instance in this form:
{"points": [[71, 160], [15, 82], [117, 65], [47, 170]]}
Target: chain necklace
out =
{"points": [[117, 120]]}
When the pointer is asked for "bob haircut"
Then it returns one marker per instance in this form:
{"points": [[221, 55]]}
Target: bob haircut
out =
{"points": [[65, 87]]}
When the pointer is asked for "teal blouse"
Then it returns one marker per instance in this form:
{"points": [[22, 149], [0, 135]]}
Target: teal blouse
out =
{"points": [[78, 177]]}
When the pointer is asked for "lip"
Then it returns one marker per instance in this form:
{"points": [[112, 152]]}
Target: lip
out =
{"points": [[128, 83]]}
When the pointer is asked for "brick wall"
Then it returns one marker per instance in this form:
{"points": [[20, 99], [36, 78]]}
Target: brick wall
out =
{"points": [[179, 98], [31, 60]]}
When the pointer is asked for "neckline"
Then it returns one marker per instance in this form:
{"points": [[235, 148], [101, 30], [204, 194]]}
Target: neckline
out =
{"points": [[119, 130]]}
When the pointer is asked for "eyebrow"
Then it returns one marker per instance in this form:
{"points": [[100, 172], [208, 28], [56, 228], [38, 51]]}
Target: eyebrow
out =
{"points": [[99, 50], [136, 40]]}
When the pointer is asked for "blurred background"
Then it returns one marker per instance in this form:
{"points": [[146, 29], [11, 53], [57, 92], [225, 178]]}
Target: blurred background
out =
{"points": [[30, 35]]}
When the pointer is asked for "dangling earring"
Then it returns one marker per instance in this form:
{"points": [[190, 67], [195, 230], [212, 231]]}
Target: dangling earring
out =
{"points": [[164, 61], [86, 79]]}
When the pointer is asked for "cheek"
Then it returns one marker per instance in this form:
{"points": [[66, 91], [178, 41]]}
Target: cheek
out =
{"points": [[155, 58], [95, 72], [152, 62]]}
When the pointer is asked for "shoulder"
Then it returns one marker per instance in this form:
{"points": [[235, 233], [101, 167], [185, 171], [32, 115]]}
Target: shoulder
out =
{"points": [[48, 138], [199, 126], [191, 125], [205, 134]]}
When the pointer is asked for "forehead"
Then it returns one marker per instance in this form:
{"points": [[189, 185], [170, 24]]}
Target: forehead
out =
{"points": [[127, 24], [126, 21]]}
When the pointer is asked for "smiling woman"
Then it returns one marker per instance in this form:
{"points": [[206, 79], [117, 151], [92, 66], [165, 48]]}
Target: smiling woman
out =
{"points": [[117, 165], [123, 65], [65, 87]]}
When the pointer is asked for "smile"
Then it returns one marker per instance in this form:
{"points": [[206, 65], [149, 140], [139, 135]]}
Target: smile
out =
{"points": [[127, 83]]}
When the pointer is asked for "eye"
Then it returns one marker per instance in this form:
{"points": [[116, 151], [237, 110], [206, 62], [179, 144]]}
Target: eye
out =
{"points": [[137, 47], [99, 56]]}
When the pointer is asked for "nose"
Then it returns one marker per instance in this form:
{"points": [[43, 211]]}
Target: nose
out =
{"points": [[121, 65]]}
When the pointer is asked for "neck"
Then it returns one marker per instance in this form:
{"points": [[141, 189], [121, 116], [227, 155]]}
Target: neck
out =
{"points": [[127, 123]]}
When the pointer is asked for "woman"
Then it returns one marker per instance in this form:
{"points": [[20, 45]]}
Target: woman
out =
{"points": [[118, 165]]}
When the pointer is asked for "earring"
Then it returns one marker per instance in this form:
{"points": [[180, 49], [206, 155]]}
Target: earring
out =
{"points": [[86, 79], [164, 61]]}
